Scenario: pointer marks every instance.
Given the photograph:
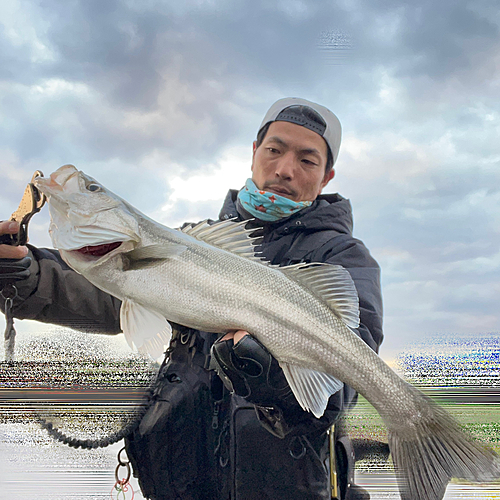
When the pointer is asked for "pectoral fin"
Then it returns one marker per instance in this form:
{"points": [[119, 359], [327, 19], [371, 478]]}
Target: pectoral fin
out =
{"points": [[151, 255], [149, 331], [312, 389]]}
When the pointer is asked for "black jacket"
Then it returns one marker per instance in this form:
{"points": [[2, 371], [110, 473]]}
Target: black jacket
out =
{"points": [[227, 450]]}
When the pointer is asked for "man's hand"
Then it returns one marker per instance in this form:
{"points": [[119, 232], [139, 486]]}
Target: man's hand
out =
{"points": [[248, 368], [236, 336], [9, 251], [14, 262]]}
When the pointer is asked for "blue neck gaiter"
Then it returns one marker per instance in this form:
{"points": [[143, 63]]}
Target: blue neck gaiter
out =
{"points": [[268, 206]]}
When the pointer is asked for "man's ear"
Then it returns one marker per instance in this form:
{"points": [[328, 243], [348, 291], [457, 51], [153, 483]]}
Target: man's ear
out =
{"points": [[254, 148], [328, 177]]}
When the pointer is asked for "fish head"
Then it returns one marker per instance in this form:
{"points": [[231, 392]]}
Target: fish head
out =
{"points": [[88, 222]]}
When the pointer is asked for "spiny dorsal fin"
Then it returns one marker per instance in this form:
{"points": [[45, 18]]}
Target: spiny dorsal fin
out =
{"points": [[226, 235], [311, 388], [332, 284]]}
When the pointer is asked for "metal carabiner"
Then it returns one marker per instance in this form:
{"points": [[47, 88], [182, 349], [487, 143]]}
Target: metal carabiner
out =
{"points": [[185, 336], [122, 488]]}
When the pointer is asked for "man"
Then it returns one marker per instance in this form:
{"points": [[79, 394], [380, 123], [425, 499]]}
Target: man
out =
{"points": [[248, 438]]}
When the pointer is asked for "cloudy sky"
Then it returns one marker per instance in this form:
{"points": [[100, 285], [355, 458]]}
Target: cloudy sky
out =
{"points": [[161, 100]]}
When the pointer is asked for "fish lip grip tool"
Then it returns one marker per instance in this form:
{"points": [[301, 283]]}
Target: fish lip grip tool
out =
{"points": [[31, 203]]}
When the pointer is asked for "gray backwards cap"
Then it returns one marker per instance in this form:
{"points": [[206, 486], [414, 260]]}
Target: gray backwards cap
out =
{"points": [[298, 111]]}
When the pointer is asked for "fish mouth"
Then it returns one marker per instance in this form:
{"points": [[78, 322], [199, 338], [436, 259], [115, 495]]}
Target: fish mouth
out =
{"points": [[54, 184], [98, 254], [99, 250]]}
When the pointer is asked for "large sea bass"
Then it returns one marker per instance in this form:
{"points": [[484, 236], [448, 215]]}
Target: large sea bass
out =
{"points": [[207, 277]]}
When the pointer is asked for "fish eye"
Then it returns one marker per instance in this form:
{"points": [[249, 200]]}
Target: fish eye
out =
{"points": [[94, 187]]}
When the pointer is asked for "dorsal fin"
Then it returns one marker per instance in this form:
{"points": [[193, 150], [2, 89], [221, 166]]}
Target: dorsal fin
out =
{"points": [[226, 235], [332, 284]]}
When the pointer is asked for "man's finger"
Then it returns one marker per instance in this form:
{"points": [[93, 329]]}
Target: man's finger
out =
{"points": [[9, 227], [239, 335], [11, 252], [235, 335]]}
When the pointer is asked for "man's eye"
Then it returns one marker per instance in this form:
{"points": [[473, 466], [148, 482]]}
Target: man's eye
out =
{"points": [[272, 150], [309, 162]]}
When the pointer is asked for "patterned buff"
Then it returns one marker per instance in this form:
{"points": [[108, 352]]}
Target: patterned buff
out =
{"points": [[268, 206]]}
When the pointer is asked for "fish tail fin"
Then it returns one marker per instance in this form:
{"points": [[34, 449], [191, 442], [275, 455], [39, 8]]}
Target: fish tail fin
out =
{"points": [[432, 451]]}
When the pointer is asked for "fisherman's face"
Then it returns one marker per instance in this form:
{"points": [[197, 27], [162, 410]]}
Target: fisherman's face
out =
{"points": [[291, 162]]}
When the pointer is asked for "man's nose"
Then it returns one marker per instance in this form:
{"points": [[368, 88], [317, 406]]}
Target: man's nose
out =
{"points": [[285, 167]]}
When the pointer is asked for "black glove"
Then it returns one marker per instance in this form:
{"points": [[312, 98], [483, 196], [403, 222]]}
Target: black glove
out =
{"points": [[12, 270], [250, 370]]}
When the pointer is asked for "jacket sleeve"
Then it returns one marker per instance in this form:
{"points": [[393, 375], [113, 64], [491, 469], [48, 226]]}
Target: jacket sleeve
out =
{"points": [[54, 293]]}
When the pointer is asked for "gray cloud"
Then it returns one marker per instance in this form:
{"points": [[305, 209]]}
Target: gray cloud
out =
{"points": [[133, 93], [204, 57]]}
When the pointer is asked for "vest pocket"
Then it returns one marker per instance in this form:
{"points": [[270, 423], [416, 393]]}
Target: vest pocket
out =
{"points": [[269, 468]]}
